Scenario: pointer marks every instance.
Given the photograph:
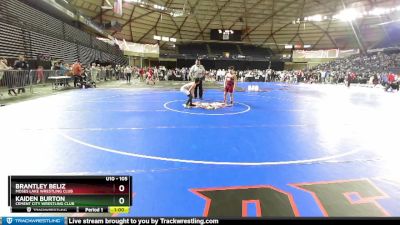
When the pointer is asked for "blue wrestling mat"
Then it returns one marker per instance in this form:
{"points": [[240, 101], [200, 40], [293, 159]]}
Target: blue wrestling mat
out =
{"points": [[298, 150]]}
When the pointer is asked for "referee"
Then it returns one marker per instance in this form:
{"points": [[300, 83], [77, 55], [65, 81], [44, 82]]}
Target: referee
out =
{"points": [[198, 71]]}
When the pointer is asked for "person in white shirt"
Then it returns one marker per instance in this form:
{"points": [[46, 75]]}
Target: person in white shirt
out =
{"points": [[198, 71], [94, 71], [128, 73], [3, 66]]}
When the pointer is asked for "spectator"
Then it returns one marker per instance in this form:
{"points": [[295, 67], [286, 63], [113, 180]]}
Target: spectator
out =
{"points": [[128, 73], [21, 78], [8, 76], [40, 74], [94, 71], [3, 66], [77, 72]]}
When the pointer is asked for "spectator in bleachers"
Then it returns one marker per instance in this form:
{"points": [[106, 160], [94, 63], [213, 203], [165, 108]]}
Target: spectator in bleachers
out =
{"points": [[365, 66], [169, 75], [178, 74], [156, 72], [162, 72], [393, 82], [63, 68], [384, 79], [142, 73], [184, 72], [56, 66], [150, 76]]}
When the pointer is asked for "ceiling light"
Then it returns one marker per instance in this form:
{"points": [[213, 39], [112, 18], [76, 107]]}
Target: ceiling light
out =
{"points": [[316, 18], [349, 14], [288, 46], [377, 12]]}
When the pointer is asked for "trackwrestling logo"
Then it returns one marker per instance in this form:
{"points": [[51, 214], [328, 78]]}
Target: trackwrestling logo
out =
{"points": [[33, 220]]}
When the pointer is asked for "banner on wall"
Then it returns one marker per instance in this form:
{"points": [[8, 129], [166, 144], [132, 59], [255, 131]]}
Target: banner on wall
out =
{"points": [[143, 50], [324, 54], [118, 7], [134, 49], [317, 54]]}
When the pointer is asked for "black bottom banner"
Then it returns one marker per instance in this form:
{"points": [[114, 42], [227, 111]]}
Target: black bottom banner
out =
{"points": [[206, 221]]}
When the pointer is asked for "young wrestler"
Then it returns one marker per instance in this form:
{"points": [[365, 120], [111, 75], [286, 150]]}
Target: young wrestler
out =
{"points": [[230, 84], [188, 89]]}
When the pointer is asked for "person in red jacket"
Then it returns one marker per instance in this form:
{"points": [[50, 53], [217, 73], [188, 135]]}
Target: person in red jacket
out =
{"points": [[392, 83], [141, 74], [350, 77], [150, 76], [77, 72], [391, 78]]}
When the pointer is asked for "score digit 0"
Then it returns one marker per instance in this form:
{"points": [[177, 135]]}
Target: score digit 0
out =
{"points": [[121, 188], [121, 201]]}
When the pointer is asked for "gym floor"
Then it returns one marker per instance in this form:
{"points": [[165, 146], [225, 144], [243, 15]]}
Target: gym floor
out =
{"points": [[287, 150]]}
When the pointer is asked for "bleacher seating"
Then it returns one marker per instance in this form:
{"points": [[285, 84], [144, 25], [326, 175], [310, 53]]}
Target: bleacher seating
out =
{"points": [[21, 14], [254, 51], [193, 49], [221, 48], [43, 44], [27, 31], [8, 33], [218, 49]]}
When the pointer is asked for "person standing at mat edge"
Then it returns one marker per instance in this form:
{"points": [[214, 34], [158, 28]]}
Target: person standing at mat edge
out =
{"points": [[77, 72], [23, 77], [198, 71], [188, 89], [230, 84]]}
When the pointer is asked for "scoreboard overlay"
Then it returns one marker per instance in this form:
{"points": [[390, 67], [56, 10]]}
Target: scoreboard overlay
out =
{"points": [[89, 194]]}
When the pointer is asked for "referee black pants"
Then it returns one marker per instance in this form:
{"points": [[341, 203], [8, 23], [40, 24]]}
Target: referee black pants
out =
{"points": [[199, 89]]}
